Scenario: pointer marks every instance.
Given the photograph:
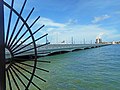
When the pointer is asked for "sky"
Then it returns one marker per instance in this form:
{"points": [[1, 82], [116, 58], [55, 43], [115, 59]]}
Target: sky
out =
{"points": [[77, 19]]}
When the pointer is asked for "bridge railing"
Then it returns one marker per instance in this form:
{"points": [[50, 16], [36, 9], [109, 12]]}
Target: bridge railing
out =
{"points": [[61, 46]]}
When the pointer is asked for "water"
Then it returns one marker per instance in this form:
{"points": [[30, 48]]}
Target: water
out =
{"points": [[92, 69]]}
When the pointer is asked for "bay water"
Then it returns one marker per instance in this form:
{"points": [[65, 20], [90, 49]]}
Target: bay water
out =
{"points": [[91, 69]]}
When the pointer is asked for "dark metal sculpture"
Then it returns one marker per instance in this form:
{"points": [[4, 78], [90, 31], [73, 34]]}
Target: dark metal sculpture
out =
{"points": [[15, 67], [2, 49]]}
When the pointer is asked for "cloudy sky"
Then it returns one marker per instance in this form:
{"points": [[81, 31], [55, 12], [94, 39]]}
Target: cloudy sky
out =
{"points": [[80, 19]]}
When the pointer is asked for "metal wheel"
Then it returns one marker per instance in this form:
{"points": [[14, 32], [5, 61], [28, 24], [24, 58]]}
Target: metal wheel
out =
{"points": [[21, 50]]}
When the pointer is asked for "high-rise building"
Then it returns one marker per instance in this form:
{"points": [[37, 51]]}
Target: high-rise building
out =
{"points": [[98, 40]]}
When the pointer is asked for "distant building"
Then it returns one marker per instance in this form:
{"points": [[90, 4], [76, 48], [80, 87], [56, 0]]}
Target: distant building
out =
{"points": [[63, 41], [98, 40], [118, 42], [113, 42]]}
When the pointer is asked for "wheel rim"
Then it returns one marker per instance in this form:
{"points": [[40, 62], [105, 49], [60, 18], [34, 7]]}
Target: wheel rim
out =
{"points": [[16, 49]]}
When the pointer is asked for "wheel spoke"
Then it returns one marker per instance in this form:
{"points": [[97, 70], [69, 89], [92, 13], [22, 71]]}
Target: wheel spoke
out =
{"points": [[14, 80], [33, 66], [20, 29], [26, 39], [18, 77], [29, 43], [31, 49], [9, 80], [22, 60], [29, 72], [9, 22], [16, 21], [12, 46], [26, 78]]}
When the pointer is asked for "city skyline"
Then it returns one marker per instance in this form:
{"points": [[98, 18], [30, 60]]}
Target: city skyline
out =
{"points": [[81, 19]]}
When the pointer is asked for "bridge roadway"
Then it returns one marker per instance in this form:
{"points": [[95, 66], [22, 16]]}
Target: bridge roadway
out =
{"points": [[52, 49]]}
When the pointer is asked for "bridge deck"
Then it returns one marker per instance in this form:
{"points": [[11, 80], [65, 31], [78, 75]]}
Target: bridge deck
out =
{"points": [[59, 48]]}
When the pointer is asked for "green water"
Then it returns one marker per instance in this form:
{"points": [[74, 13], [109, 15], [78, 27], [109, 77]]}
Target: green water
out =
{"points": [[93, 69]]}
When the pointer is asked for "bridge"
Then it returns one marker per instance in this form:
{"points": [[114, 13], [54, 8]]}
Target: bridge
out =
{"points": [[52, 49]]}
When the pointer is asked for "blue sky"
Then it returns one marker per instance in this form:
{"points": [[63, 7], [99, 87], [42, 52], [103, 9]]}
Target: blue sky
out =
{"points": [[80, 19]]}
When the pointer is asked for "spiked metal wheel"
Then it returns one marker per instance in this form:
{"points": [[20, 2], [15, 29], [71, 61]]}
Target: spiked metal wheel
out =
{"points": [[20, 48]]}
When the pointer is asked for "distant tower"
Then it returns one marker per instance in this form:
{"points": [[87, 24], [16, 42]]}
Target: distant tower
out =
{"points": [[72, 40], [98, 38]]}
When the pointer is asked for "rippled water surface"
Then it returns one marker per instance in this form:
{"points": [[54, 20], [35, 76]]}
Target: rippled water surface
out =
{"points": [[91, 69]]}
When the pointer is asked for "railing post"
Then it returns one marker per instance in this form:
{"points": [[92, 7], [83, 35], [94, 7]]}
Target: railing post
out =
{"points": [[2, 49]]}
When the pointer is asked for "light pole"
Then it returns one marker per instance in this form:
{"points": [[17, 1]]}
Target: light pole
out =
{"points": [[2, 49], [72, 40], [84, 41]]}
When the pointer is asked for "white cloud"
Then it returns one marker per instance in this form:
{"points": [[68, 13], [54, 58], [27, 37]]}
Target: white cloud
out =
{"points": [[64, 31], [100, 18], [79, 32], [72, 21], [49, 22]]}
